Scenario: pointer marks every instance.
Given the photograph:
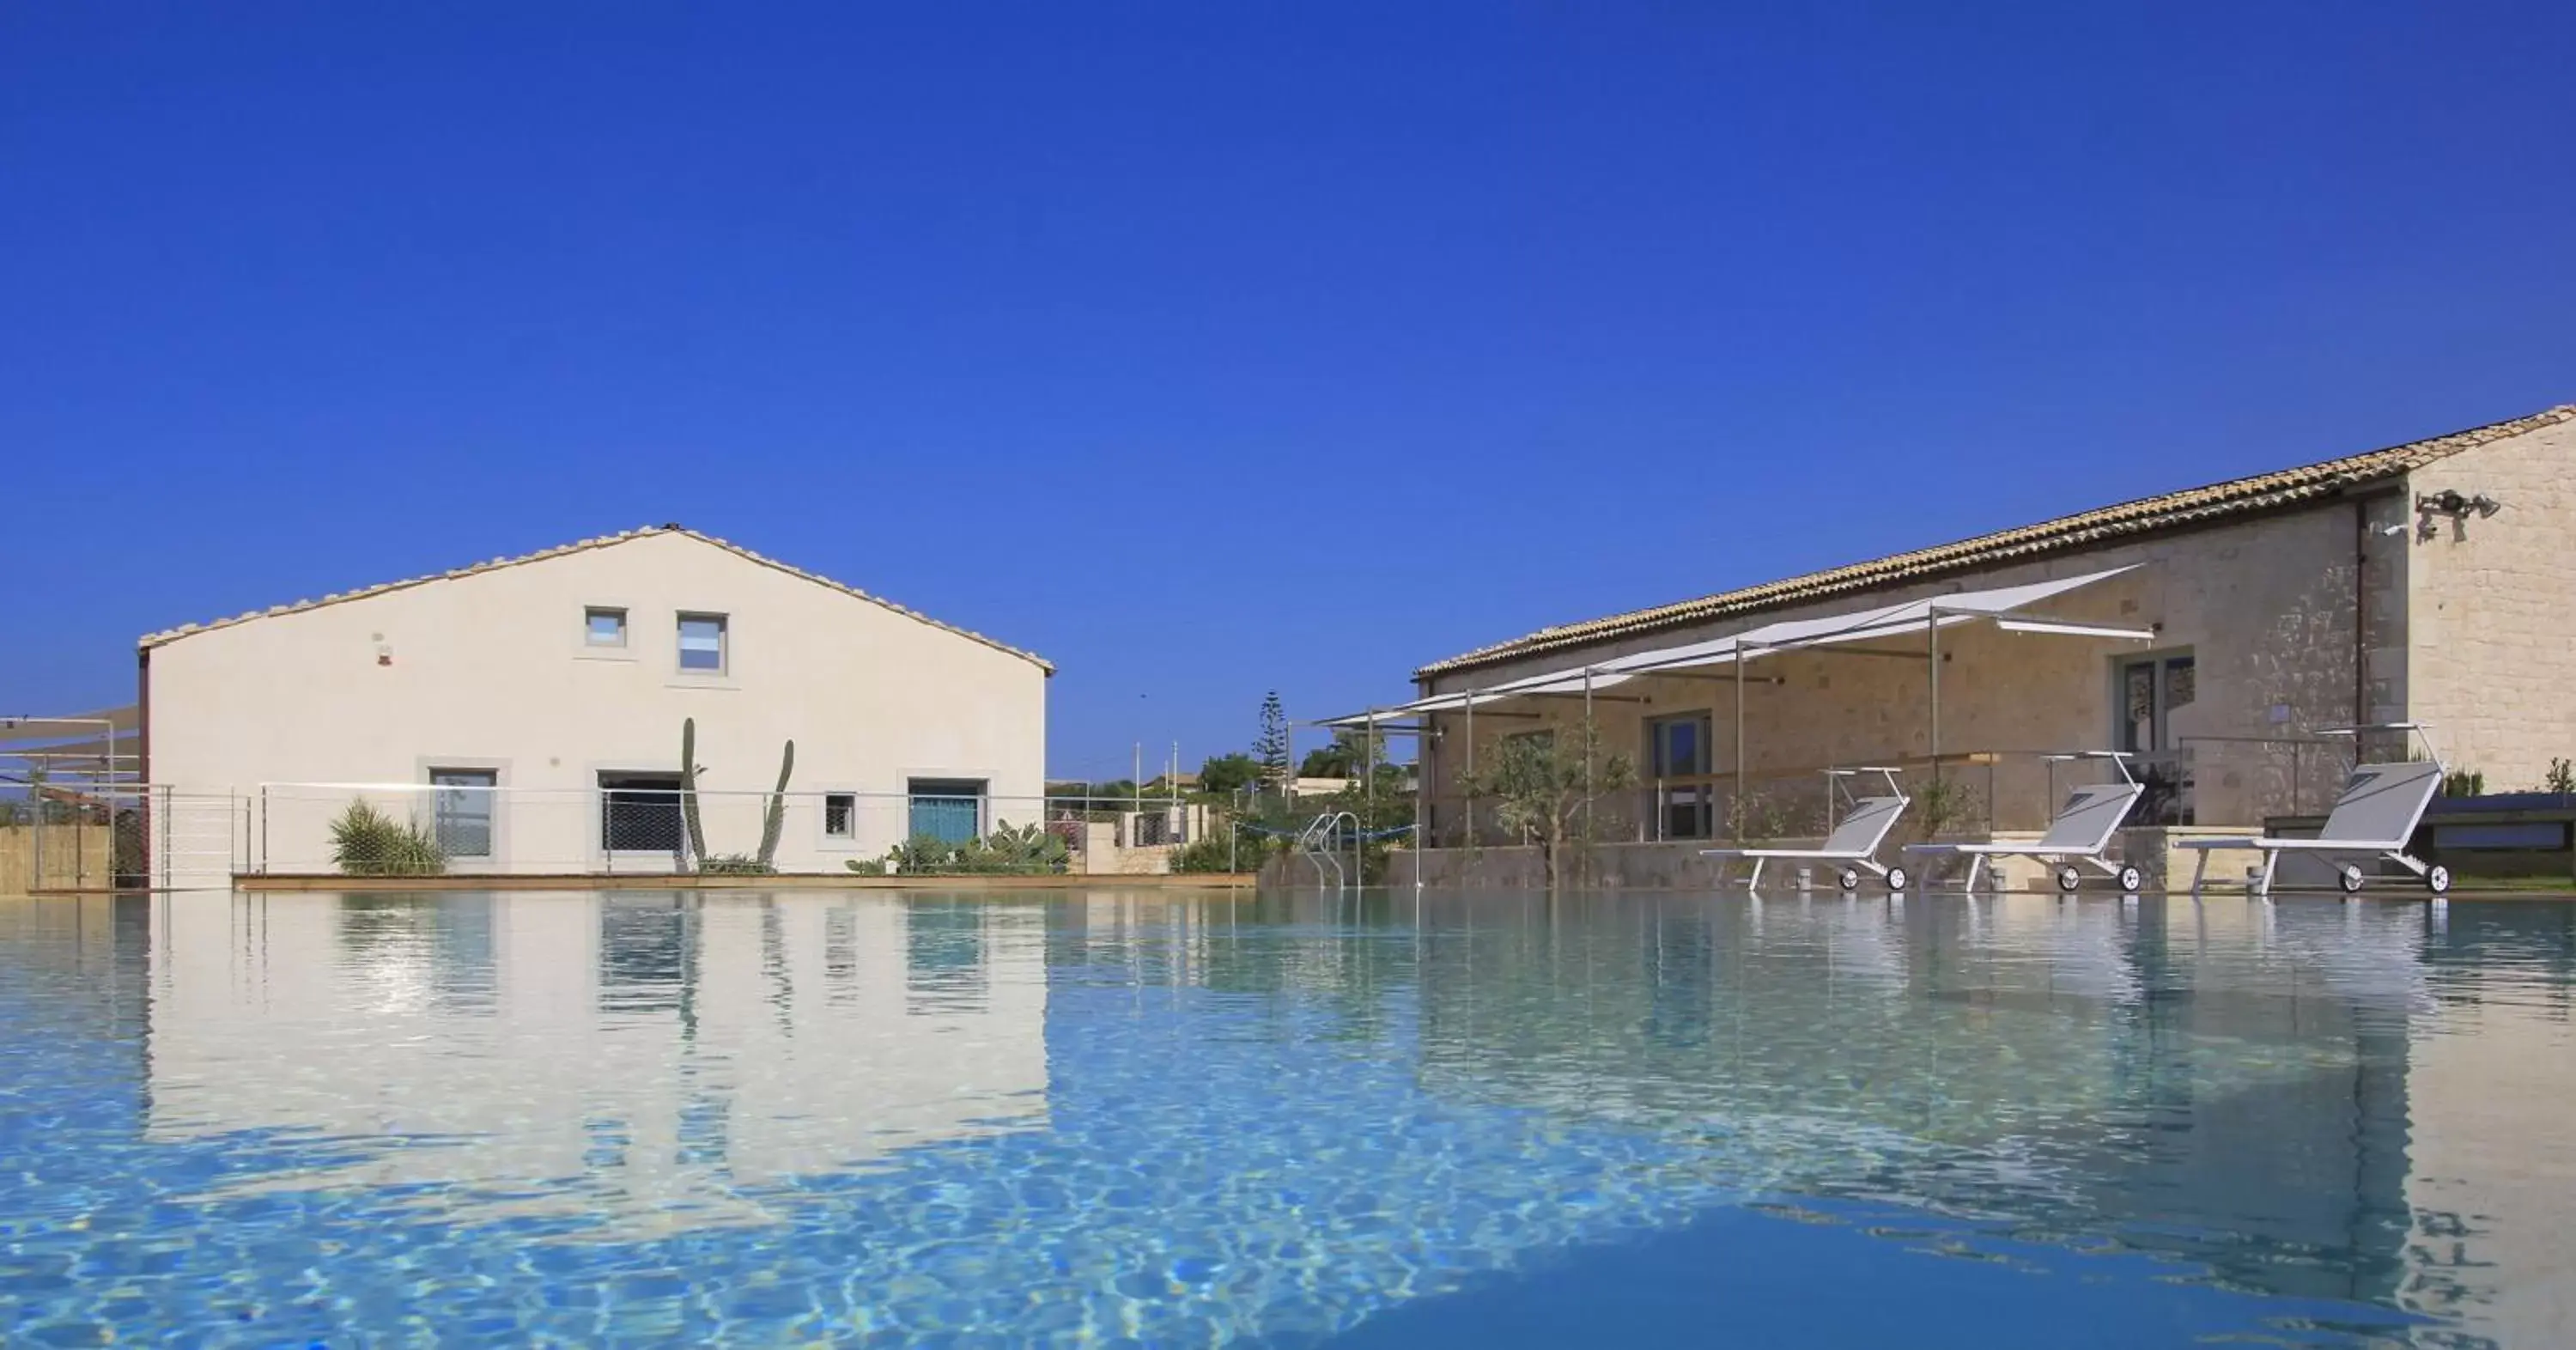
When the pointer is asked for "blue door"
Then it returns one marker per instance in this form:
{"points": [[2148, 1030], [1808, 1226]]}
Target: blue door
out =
{"points": [[950, 811]]}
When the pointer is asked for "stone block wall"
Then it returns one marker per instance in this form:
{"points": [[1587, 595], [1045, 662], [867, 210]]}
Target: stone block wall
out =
{"points": [[2269, 606], [2491, 647]]}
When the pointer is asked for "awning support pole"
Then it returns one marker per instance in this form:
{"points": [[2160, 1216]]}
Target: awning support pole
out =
{"points": [[1735, 798], [1932, 632], [1587, 755]]}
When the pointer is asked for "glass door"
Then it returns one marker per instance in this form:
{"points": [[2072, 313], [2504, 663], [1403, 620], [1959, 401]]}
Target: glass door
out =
{"points": [[1677, 753], [2151, 690]]}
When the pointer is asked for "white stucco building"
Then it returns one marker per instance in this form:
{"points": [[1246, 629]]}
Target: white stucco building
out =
{"points": [[529, 711]]}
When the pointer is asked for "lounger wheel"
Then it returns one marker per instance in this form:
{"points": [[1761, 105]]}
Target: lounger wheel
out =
{"points": [[1850, 878], [2131, 878], [2349, 878], [2437, 879], [1896, 878], [2068, 878]]}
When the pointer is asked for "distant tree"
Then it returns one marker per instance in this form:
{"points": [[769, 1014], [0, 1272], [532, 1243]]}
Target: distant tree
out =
{"points": [[1540, 783], [1270, 748], [1350, 751], [1226, 774]]}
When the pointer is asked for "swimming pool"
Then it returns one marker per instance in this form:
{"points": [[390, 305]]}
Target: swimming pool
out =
{"points": [[1165, 1118]]}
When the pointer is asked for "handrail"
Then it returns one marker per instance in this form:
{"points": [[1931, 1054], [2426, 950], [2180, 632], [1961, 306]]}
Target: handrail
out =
{"points": [[1315, 841]]}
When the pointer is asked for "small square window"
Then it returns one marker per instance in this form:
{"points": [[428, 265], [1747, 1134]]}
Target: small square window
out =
{"points": [[604, 627], [702, 643], [840, 815]]}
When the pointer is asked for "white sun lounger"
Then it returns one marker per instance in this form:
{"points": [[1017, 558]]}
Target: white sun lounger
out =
{"points": [[1853, 843], [2078, 833], [2375, 817]]}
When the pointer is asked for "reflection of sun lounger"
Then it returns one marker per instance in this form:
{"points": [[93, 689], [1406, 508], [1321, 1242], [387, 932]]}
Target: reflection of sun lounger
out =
{"points": [[2080, 830], [2376, 816], [1853, 843]]}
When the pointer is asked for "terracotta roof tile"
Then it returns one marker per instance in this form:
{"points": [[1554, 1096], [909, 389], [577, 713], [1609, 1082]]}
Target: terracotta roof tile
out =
{"points": [[166, 636], [2195, 506]]}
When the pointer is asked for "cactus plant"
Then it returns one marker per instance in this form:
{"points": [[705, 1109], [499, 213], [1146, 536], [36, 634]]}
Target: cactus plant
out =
{"points": [[776, 816], [696, 843]]}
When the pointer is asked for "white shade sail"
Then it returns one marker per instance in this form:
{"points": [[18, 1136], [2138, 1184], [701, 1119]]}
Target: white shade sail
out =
{"points": [[1553, 683], [95, 750], [116, 721], [1911, 616], [2001, 604]]}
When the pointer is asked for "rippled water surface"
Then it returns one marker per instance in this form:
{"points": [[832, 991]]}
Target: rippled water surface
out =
{"points": [[1171, 1119]]}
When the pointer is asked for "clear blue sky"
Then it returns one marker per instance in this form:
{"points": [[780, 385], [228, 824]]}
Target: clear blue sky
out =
{"points": [[1212, 348]]}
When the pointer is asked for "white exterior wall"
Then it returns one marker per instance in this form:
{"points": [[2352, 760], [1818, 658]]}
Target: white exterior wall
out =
{"points": [[495, 1023], [491, 670]]}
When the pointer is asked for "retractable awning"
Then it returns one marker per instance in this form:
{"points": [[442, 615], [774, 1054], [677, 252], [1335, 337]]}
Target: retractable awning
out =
{"points": [[2000, 605], [1557, 683], [114, 721], [97, 750]]}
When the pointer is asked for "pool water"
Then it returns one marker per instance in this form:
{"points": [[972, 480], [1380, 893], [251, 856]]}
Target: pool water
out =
{"points": [[1164, 1118]]}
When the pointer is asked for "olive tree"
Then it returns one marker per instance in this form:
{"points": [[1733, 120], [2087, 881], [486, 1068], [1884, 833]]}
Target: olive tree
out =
{"points": [[1540, 783]]}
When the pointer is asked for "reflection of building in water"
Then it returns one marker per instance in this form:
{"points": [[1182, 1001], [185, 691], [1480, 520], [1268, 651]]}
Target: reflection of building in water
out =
{"points": [[630, 1053], [72, 979], [2494, 1176], [2060, 1067]]}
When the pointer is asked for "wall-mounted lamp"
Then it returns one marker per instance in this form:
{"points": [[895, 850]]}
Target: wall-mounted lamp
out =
{"points": [[2430, 506]]}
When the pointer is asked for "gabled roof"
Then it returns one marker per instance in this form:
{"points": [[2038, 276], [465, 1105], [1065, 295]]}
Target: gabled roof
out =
{"points": [[151, 640], [2193, 507]]}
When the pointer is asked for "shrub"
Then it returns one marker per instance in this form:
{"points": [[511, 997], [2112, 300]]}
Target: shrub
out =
{"points": [[1218, 851], [1010, 850], [735, 865], [1943, 803], [1757, 816], [2463, 783], [2561, 779], [365, 842], [1014, 850]]}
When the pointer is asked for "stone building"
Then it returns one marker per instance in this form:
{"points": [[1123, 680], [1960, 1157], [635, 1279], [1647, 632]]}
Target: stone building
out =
{"points": [[2423, 582]]}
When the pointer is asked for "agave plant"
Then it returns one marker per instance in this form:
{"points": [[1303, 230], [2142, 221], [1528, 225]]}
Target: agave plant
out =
{"points": [[365, 842]]}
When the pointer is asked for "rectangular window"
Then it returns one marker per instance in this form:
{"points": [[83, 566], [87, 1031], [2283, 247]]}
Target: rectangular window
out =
{"points": [[702, 643], [604, 627], [1677, 748], [461, 811], [640, 813], [840, 815], [950, 810]]}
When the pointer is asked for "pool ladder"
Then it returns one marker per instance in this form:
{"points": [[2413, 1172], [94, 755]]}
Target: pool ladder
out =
{"points": [[1317, 843]]}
